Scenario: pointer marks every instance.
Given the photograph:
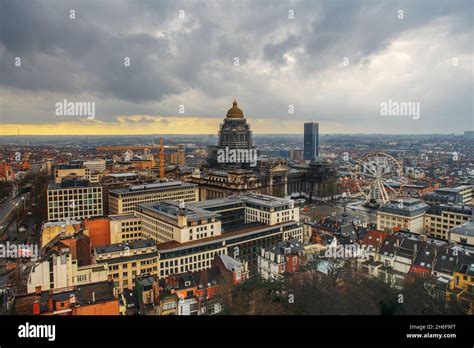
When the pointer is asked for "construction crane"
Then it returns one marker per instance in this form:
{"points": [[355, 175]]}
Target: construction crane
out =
{"points": [[162, 148]]}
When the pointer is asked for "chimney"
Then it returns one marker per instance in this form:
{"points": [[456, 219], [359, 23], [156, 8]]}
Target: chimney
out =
{"points": [[156, 292], [50, 303], [36, 307]]}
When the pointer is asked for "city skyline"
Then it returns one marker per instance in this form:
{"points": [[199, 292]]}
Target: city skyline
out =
{"points": [[175, 67], [226, 159]]}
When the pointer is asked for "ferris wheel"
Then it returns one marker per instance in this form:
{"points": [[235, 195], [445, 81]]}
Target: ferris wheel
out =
{"points": [[379, 177]]}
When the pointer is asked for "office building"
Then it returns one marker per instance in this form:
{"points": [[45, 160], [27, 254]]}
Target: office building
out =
{"points": [[96, 165], [74, 199], [460, 195], [439, 219], [311, 141], [235, 226], [173, 221], [407, 215], [125, 228], [295, 154], [75, 170], [124, 200], [126, 261]]}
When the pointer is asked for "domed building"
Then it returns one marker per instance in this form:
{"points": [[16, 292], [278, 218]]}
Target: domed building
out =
{"points": [[235, 136], [224, 176]]}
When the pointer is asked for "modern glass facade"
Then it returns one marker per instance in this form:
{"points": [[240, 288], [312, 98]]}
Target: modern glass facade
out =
{"points": [[311, 141]]}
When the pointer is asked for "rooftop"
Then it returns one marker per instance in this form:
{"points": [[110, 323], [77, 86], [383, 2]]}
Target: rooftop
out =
{"points": [[149, 187], [110, 248], [264, 200], [437, 209], [406, 207], [121, 217], [453, 189], [289, 246], [123, 175], [172, 209], [230, 263], [466, 229], [84, 295], [71, 183]]}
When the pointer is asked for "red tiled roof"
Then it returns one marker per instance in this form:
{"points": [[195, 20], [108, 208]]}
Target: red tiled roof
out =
{"points": [[374, 238]]}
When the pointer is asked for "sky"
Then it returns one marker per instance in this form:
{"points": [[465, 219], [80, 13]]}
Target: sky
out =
{"points": [[174, 67]]}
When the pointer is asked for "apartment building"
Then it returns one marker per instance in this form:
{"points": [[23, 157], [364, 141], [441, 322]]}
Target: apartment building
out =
{"points": [[74, 199], [402, 214], [124, 200], [462, 284], [126, 261], [440, 219], [283, 257]]}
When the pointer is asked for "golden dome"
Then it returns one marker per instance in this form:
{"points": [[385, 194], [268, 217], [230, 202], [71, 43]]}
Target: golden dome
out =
{"points": [[234, 111]]}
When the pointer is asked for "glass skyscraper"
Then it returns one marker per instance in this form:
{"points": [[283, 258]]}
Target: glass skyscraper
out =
{"points": [[311, 141]]}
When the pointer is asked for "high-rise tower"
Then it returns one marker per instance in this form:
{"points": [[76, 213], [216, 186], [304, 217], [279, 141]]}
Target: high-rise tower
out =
{"points": [[311, 141]]}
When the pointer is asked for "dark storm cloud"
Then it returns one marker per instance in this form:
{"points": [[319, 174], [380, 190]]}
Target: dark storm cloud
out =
{"points": [[175, 58]]}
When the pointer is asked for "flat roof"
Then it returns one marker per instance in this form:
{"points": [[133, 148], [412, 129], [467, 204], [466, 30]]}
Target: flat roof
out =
{"points": [[122, 175], [453, 189], [461, 209], [406, 207], [265, 200], [61, 223], [122, 217], [73, 184], [218, 202], [172, 209], [152, 186], [109, 248]]}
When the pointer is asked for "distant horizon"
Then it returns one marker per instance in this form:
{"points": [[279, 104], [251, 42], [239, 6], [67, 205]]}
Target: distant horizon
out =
{"points": [[207, 134]]}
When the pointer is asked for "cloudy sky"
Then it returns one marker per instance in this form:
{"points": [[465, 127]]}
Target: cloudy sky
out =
{"points": [[285, 62]]}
